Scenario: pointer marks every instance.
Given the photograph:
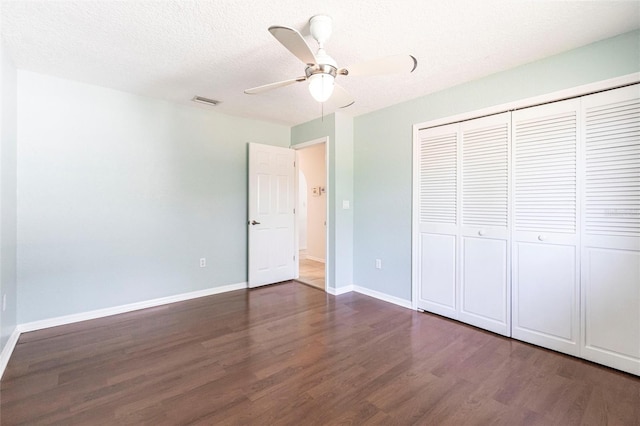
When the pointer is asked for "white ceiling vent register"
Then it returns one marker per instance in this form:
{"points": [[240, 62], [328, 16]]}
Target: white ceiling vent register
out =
{"points": [[206, 101]]}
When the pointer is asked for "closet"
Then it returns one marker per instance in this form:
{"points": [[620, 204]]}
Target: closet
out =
{"points": [[464, 232], [527, 224]]}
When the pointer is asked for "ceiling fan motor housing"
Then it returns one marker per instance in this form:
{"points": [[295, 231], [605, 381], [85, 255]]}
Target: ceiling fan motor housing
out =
{"points": [[320, 28], [321, 69]]}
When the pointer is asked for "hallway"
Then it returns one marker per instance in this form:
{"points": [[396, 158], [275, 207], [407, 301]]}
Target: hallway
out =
{"points": [[311, 272]]}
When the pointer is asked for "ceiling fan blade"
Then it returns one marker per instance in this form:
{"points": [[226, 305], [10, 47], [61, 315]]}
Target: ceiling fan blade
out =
{"points": [[293, 40], [271, 86], [340, 97], [381, 66]]}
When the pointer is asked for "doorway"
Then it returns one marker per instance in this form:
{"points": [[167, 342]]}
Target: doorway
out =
{"points": [[312, 213]]}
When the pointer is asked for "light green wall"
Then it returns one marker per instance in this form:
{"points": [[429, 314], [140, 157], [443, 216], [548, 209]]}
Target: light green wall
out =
{"points": [[339, 129], [343, 192], [8, 174], [314, 129], [120, 195], [383, 149]]}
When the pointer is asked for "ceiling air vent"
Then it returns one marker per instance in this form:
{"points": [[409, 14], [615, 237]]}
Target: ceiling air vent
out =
{"points": [[206, 101]]}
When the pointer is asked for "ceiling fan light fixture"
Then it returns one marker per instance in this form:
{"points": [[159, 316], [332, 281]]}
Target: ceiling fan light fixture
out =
{"points": [[322, 70], [321, 86]]}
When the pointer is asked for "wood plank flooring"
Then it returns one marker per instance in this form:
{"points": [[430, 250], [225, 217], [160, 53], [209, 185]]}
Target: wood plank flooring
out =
{"points": [[292, 355], [312, 273]]}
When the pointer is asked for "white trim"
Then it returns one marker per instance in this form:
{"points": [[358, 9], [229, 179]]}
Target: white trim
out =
{"points": [[310, 143], [559, 95], [316, 259], [340, 290], [8, 350], [383, 296], [371, 293], [100, 313], [414, 218], [296, 213], [328, 247]]}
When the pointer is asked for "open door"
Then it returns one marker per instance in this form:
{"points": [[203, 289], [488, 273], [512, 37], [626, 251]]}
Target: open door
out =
{"points": [[271, 218]]}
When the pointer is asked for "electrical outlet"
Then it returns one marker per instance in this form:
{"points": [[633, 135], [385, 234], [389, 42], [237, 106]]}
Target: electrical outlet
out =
{"points": [[203, 262], [378, 263], [4, 302]]}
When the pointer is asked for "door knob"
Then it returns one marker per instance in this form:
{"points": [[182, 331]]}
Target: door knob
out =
{"points": [[542, 237], [253, 222], [482, 232]]}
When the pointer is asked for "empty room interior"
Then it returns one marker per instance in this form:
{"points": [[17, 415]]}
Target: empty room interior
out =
{"points": [[285, 212]]}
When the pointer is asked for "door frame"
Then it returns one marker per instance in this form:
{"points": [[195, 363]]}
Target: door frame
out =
{"points": [[328, 247]]}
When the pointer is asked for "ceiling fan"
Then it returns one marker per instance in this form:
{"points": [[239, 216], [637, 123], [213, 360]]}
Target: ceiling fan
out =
{"points": [[321, 69]]}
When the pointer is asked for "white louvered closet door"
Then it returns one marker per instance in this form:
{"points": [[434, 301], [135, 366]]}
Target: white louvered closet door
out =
{"points": [[545, 238], [437, 219], [611, 229], [485, 290]]}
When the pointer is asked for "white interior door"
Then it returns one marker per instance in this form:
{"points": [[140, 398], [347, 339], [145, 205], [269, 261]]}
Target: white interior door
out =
{"points": [[611, 229], [546, 240], [438, 220], [271, 218], [485, 284]]}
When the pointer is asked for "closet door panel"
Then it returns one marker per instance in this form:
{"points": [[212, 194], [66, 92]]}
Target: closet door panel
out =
{"points": [[612, 306], [438, 219], [485, 175], [611, 229], [612, 169], [545, 170], [484, 256], [545, 297], [484, 281], [438, 274], [546, 240]]}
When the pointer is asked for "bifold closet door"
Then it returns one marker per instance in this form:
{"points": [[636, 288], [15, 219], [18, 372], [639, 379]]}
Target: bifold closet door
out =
{"points": [[484, 238], [437, 219], [545, 238], [611, 229]]}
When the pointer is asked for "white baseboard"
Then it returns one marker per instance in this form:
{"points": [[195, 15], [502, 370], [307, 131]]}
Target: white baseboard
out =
{"points": [[340, 290], [372, 293], [383, 296], [100, 313], [317, 259], [8, 350]]}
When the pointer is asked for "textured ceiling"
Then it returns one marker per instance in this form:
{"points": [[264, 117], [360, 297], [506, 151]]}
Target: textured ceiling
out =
{"points": [[177, 49]]}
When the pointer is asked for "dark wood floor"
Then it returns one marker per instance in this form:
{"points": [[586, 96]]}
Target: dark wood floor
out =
{"points": [[291, 354]]}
